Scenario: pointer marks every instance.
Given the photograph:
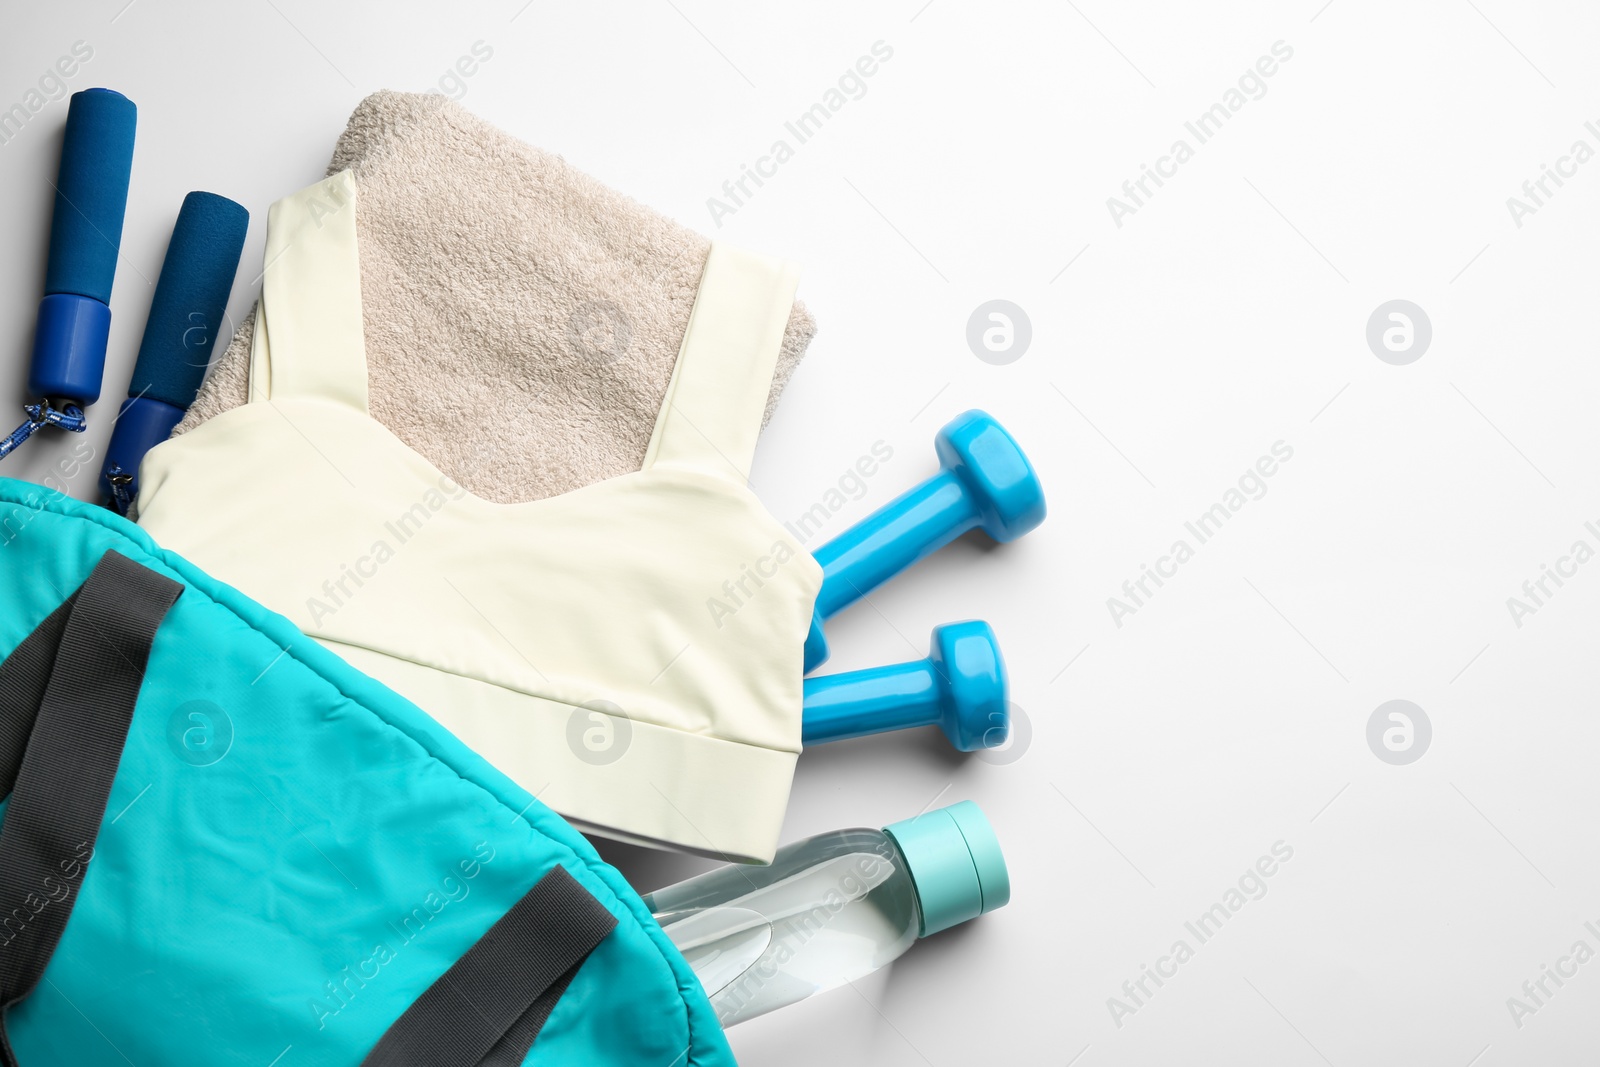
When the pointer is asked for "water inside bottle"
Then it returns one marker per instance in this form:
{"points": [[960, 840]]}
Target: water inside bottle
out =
{"points": [[761, 938]]}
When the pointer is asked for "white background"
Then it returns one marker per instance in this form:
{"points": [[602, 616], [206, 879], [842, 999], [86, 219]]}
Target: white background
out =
{"points": [[1167, 354]]}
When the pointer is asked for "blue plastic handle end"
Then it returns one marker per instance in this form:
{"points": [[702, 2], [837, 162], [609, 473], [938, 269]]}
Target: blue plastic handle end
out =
{"points": [[69, 348], [142, 424]]}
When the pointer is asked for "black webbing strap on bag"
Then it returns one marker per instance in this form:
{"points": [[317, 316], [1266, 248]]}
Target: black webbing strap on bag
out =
{"points": [[67, 697], [70, 689], [488, 1008], [23, 677]]}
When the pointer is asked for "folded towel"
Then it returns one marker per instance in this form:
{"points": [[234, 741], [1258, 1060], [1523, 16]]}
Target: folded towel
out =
{"points": [[522, 319]]}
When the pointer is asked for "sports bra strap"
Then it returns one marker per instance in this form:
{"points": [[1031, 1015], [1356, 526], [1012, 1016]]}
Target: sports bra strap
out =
{"points": [[309, 340], [712, 413]]}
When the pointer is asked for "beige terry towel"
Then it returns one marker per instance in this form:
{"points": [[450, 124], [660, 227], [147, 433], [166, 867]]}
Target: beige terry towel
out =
{"points": [[522, 319]]}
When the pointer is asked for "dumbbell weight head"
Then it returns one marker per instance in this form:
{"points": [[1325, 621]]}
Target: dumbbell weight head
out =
{"points": [[1001, 483], [977, 710]]}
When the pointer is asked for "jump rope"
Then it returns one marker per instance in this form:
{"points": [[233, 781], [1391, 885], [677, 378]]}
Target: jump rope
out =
{"points": [[73, 330]]}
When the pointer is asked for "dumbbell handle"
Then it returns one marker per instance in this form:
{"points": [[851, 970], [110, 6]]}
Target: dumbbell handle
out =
{"points": [[874, 701], [914, 525]]}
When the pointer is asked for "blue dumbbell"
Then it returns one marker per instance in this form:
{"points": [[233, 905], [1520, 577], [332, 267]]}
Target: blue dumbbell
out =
{"points": [[985, 480], [960, 688]]}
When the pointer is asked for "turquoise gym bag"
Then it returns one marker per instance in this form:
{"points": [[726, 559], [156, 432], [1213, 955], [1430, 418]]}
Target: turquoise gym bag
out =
{"points": [[221, 845]]}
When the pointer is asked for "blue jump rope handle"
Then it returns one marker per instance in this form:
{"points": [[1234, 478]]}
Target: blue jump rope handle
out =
{"points": [[69, 346], [185, 318]]}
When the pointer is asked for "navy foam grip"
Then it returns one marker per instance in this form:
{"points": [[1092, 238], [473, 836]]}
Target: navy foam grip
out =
{"points": [[191, 295], [91, 194]]}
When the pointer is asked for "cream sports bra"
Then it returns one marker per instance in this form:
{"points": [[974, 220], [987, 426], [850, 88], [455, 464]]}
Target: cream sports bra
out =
{"points": [[630, 652]]}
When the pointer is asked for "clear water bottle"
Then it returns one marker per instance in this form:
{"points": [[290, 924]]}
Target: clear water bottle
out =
{"points": [[831, 908]]}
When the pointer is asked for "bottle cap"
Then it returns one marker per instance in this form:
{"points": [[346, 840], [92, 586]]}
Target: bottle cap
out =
{"points": [[955, 864]]}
